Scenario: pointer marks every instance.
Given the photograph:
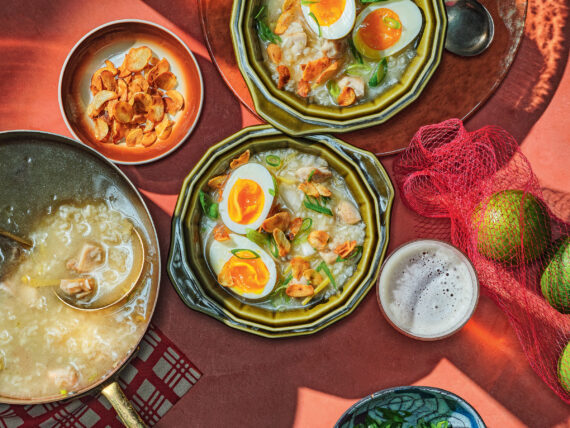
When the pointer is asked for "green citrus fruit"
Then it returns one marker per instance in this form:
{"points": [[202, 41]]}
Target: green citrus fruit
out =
{"points": [[555, 280], [564, 368], [512, 225]]}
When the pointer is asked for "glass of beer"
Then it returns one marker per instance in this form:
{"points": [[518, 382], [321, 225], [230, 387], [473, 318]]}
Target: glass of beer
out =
{"points": [[428, 289]]}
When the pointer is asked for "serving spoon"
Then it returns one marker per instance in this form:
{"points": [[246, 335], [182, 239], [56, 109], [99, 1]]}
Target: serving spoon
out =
{"points": [[470, 27], [132, 278]]}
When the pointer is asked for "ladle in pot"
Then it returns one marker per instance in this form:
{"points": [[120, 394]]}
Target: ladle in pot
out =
{"points": [[69, 300]]}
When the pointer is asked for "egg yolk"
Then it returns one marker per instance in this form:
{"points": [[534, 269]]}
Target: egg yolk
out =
{"points": [[245, 201], [246, 275], [327, 12], [381, 29]]}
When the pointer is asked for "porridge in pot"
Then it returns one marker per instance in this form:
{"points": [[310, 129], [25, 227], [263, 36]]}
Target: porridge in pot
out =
{"points": [[48, 348]]}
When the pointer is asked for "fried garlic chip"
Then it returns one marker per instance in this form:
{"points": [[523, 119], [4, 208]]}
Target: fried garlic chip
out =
{"points": [[137, 58]]}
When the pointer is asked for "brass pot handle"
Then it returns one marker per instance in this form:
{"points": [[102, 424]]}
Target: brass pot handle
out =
{"points": [[124, 408]]}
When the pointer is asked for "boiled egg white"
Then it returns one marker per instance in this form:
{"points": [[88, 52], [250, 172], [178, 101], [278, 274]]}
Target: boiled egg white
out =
{"points": [[384, 29], [247, 198], [249, 269], [334, 17]]}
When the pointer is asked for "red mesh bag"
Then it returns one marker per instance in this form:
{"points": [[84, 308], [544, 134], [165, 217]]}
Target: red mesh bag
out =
{"points": [[481, 181]]}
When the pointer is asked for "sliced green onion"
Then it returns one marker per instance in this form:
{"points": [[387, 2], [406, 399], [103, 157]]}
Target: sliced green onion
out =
{"points": [[312, 15], [357, 69], [284, 282], [323, 267], [273, 247], [355, 52], [259, 13], [312, 204], [271, 192], [236, 252], [275, 187], [209, 207], [391, 22], [310, 177], [257, 237], [305, 226], [309, 2], [266, 34], [379, 74], [354, 254], [273, 160], [334, 91]]}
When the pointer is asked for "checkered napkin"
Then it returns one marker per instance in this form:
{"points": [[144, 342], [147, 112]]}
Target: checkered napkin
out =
{"points": [[155, 379]]}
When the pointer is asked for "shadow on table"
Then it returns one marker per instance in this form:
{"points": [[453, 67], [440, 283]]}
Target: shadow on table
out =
{"points": [[255, 382], [524, 95]]}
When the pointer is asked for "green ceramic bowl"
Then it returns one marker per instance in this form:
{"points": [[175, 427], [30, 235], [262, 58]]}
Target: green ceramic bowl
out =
{"points": [[295, 116], [199, 289]]}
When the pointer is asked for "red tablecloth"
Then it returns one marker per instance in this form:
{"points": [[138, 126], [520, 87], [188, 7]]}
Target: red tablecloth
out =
{"points": [[310, 381]]}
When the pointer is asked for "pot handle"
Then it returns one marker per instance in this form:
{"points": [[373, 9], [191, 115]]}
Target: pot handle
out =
{"points": [[124, 408]]}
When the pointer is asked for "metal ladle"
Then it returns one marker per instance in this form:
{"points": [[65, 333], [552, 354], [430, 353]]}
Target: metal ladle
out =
{"points": [[470, 27], [133, 276]]}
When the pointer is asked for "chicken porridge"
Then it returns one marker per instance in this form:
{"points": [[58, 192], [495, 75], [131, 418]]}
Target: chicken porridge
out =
{"points": [[281, 230], [338, 52], [48, 348]]}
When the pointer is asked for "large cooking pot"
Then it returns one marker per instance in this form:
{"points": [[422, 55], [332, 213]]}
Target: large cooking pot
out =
{"points": [[35, 167]]}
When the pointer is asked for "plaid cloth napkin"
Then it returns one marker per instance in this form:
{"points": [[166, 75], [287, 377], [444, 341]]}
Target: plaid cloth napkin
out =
{"points": [[154, 380]]}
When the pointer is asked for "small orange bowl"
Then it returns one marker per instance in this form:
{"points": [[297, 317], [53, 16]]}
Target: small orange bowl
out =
{"points": [[112, 41]]}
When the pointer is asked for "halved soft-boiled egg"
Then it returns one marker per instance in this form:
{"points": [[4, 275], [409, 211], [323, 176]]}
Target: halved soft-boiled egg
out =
{"points": [[383, 29], [247, 198], [243, 267], [334, 18]]}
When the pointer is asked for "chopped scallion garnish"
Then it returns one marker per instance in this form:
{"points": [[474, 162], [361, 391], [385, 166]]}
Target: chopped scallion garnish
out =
{"points": [[263, 29], [313, 204], [354, 254], [312, 15], [358, 69], [392, 23], [355, 52], [273, 160], [379, 74], [259, 13], [334, 91], [257, 237], [249, 254], [273, 247], [209, 207], [305, 226], [323, 267], [284, 282]]}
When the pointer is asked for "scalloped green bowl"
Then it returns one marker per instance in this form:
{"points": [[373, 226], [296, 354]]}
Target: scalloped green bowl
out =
{"points": [[295, 116], [199, 289]]}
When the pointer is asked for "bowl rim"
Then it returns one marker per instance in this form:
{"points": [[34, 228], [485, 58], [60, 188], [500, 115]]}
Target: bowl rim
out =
{"points": [[312, 123], [468, 314], [178, 264], [391, 390], [62, 139], [130, 21]]}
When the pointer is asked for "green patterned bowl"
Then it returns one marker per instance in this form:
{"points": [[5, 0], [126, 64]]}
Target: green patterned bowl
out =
{"points": [[295, 116], [414, 404], [199, 289]]}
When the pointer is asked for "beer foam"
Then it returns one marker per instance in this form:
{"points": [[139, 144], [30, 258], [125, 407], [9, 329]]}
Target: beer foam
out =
{"points": [[428, 288]]}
